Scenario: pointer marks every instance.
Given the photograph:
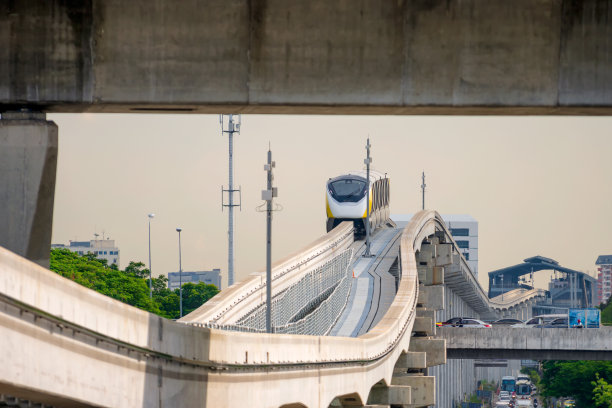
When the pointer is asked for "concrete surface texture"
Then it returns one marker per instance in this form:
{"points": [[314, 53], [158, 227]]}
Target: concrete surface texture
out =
{"points": [[72, 346], [28, 161], [528, 343], [263, 56]]}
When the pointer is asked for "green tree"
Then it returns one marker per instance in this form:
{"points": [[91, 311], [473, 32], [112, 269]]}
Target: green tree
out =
{"points": [[606, 313], [196, 295], [602, 393], [131, 285], [573, 378], [533, 375], [137, 269]]}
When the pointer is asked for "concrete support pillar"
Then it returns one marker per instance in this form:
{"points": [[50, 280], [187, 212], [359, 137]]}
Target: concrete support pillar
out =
{"points": [[28, 161], [422, 389], [390, 395]]}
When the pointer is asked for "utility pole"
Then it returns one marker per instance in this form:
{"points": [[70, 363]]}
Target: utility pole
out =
{"points": [[423, 185], [367, 162], [233, 126], [150, 268], [267, 196], [180, 275]]}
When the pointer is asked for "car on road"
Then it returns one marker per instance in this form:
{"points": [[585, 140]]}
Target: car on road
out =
{"points": [[559, 323], [503, 399], [450, 321], [538, 321], [464, 322], [506, 322]]}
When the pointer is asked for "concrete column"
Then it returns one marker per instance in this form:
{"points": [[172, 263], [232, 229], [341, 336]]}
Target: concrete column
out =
{"points": [[28, 161]]}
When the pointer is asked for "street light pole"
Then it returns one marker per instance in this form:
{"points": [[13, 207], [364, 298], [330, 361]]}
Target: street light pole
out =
{"points": [[150, 284], [180, 276], [367, 162]]}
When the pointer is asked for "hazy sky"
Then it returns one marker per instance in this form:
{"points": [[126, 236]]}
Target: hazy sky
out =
{"points": [[536, 185]]}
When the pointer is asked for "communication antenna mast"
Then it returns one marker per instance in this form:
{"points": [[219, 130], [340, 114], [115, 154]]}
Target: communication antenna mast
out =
{"points": [[230, 126], [423, 185], [268, 195]]}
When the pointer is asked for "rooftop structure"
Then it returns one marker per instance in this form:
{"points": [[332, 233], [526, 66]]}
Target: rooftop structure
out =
{"points": [[101, 248], [209, 277], [571, 288]]}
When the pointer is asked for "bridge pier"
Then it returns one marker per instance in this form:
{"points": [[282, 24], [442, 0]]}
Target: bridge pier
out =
{"points": [[28, 161]]}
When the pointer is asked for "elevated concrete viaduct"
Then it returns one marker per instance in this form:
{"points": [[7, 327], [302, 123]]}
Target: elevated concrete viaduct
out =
{"points": [[522, 57], [528, 343]]}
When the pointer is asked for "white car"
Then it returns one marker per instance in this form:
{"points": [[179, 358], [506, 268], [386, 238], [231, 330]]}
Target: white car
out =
{"points": [[503, 400], [470, 322]]}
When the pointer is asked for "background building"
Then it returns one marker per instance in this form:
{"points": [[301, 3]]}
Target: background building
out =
{"points": [[463, 228], [102, 248], [210, 277], [604, 278]]}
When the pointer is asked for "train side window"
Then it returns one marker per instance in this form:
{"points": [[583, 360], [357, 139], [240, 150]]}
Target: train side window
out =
{"points": [[373, 196]]}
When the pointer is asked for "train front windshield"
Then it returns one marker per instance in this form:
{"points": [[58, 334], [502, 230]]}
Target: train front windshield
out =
{"points": [[347, 190]]}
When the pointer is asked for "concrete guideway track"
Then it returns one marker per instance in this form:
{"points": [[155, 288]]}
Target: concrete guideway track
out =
{"points": [[81, 344], [373, 288], [163, 362]]}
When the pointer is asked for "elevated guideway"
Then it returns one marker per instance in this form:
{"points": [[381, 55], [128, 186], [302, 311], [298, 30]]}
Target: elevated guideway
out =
{"points": [[373, 287], [74, 346]]}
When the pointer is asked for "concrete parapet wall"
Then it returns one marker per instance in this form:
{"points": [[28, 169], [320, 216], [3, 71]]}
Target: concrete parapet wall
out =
{"points": [[235, 302], [145, 360], [528, 343]]}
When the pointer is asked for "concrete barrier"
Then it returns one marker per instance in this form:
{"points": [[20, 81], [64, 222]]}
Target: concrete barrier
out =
{"points": [[528, 343], [73, 345]]}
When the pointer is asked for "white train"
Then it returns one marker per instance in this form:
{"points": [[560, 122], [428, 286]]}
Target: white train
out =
{"points": [[345, 200]]}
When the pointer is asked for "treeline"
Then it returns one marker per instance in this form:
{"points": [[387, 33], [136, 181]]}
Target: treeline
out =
{"points": [[588, 382], [606, 312], [131, 285]]}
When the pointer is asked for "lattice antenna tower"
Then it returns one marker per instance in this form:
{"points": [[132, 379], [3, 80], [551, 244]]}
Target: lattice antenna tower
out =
{"points": [[230, 124]]}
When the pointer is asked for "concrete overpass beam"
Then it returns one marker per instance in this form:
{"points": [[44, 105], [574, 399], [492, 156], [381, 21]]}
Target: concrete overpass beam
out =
{"points": [[435, 349], [412, 359], [390, 395], [28, 161], [423, 388]]}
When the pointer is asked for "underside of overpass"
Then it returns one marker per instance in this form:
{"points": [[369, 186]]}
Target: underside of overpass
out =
{"points": [[270, 56]]}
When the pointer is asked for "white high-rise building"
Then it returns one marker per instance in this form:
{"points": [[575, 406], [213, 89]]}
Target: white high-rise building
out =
{"points": [[101, 248], [463, 228], [604, 278]]}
